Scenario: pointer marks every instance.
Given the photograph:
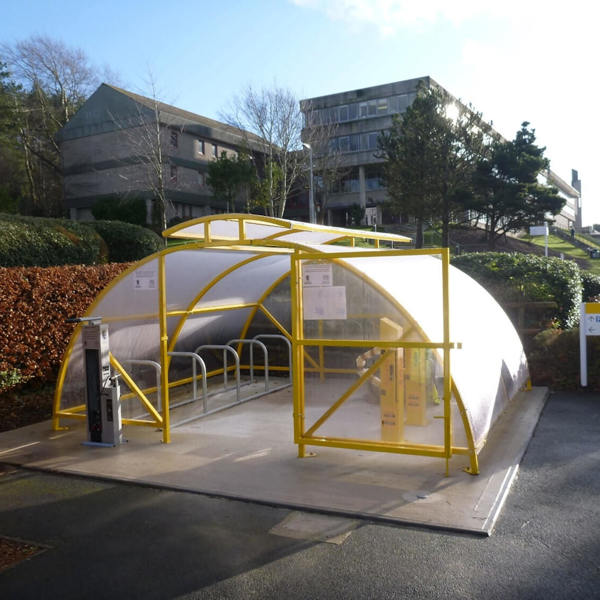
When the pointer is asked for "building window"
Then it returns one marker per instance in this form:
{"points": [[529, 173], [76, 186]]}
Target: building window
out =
{"points": [[200, 146], [174, 139], [215, 151], [173, 173]]}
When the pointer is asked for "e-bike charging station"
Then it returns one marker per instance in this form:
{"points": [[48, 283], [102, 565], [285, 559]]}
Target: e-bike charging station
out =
{"points": [[102, 391]]}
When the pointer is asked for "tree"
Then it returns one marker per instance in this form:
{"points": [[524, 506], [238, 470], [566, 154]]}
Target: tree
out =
{"points": [[508, 192], [274, 116], [430, 153], [56, 80], [146, 135], [12, 174], [230, 177], [328, 161]]}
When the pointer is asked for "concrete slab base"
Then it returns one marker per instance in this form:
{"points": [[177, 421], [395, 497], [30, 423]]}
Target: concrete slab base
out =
{"points": [[247, 453]]}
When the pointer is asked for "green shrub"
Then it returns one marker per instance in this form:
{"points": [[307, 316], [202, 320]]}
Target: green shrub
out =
{"points": [[513, 277], [128, 210], [126, 242], [10, 378], [37, 241], [591, 286], [554, 360]]}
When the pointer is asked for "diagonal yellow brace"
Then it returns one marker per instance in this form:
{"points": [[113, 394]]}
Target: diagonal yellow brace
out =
{"points": [[135, 389], [347, 394]]}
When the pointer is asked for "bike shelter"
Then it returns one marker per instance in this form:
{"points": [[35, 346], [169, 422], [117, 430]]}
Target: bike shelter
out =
{"points": [[387, 348]]}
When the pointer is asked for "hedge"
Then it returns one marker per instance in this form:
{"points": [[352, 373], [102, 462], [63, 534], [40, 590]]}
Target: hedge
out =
{"points": [[41, 242], [512, 277], [126, 242], [591, 286], [35, 303], [554, 360]]}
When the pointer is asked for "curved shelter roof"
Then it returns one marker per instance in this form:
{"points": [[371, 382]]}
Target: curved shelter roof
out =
{"points": [[236, 270]]}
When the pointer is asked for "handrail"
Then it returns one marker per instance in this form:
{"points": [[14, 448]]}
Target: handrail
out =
{"points": [[280, 337], [252, 343], [152, 363], [236, 357], [195, 358]]}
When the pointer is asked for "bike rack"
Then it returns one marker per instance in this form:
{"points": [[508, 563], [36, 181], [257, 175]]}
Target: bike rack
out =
{"points": [[229, 349], [254, 342], [289, 345], [157, 368], [195, 359], [225, 349], [150, 363]]}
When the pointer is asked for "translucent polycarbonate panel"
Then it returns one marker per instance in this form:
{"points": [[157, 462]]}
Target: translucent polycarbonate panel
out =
{"points": [[231, 230], [491, 366], [339, 303], [261, 231], [73, 391], [413, 283], [212, 328], [309, 237], [134, 293], [248, 283], [192, 231], [128, 340], [278, 303], [189, 271]]}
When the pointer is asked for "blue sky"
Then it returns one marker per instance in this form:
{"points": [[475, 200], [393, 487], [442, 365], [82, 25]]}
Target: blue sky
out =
{"points": [[513, 60]]}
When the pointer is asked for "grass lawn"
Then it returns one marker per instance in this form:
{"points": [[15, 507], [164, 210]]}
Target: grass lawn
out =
{"points": [[559, 245]]}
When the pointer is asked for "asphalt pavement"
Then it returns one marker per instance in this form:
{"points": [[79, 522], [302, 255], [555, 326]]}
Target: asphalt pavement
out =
{"points": [[114, 540]]}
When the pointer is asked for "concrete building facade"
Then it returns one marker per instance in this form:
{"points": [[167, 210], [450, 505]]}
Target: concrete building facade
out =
{"points": [[106, 145], [359, 116]]}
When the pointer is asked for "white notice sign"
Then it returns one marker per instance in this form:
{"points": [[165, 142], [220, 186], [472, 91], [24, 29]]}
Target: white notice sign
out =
{"points": [[145, 279], [317, 274], [324, 302], [538, 230], [589, 324]]}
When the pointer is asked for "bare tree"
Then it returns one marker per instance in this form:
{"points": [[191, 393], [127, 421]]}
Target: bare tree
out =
{"points": [[146, 135], [328, 161], [274, 116], [56, 80]]}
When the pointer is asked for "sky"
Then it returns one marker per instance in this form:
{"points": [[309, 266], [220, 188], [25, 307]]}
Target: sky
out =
{"points": [[514, 60]]}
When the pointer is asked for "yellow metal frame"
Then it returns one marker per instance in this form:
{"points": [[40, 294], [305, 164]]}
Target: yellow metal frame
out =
{"points": [[302, 361], [304, 437]]}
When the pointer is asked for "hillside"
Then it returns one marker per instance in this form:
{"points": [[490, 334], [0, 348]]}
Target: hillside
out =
{"points": [[472, 240]]}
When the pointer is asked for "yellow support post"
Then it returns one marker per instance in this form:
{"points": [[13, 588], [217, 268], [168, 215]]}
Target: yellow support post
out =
{"points": [[164, 345], [321, 354], [297, 353], [445, 252]]}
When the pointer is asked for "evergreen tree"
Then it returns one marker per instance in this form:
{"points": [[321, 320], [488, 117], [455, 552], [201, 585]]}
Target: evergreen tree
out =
{"points": [[508, 192], [430, 154], [231, 180]]}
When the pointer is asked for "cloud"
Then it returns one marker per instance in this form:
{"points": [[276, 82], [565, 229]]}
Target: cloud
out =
{"points": [[391, 16]]}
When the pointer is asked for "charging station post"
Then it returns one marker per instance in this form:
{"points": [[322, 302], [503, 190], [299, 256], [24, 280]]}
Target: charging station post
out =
{"points": [[104, 424]]}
